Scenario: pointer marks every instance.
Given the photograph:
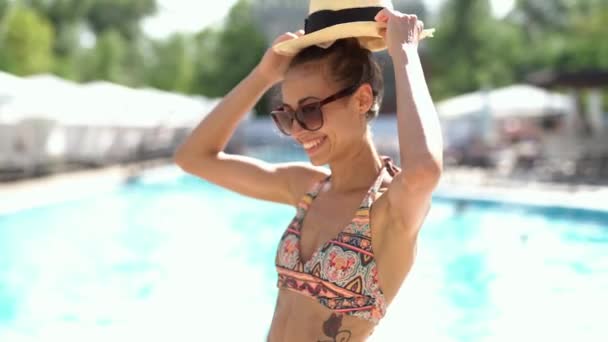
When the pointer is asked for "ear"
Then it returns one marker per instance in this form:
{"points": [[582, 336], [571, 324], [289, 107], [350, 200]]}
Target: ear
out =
{"points": [[364, 98]]}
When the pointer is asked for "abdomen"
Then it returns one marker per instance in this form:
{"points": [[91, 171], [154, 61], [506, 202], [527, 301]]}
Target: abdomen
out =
{"points": [[299, 318]]}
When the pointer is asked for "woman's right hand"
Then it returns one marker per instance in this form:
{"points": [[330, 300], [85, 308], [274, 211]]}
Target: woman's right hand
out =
{"points": [[273, 65]]}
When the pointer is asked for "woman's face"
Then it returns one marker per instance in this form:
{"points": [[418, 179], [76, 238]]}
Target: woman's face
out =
{"points": [[344, 123]]}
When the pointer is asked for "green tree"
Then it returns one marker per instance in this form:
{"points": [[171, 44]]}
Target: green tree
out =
{"points": [[138, 56], [4, 4], [586, 44], [241, 46], [123, 16], [67, 17], [105, 61], [231, 53], [539, 17], [104, 19], [26, 44], [206, 62], [61, 11], [471, 49], [565, 34], [173, 65]]}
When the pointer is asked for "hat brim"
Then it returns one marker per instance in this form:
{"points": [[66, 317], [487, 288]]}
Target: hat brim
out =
{"points": [[365, 31]]}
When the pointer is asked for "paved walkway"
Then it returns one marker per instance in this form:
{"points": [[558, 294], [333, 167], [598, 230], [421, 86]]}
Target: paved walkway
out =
{"points": [[59, 188], [471, 184]]}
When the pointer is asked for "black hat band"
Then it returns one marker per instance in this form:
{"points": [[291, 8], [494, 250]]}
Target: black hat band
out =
{"points": [[327, 18]]}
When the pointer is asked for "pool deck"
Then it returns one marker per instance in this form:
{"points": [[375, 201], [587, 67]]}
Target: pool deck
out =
{"points": [[468, 185], [25, 194], [471, 185]]}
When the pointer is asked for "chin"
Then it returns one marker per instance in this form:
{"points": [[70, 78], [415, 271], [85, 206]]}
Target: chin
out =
{"points": [[316, 162], [319, 160], [321, 156]]}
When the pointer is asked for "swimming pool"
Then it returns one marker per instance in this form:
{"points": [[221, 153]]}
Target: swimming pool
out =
{"points": [[170, 257]]}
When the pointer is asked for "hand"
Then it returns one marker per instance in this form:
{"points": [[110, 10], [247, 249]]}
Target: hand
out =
{"points": [[273, 65], [401, 32]]}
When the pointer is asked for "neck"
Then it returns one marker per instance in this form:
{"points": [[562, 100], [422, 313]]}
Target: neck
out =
{"points": [[357, 169]]}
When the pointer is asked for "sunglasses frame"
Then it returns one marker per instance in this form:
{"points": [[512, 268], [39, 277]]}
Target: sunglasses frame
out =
{"points": [[299, 116]]}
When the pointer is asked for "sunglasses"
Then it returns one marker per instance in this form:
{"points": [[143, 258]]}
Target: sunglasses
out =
{"points": [[309, 116]]}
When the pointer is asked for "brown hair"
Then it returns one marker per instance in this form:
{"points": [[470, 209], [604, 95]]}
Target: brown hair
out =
{"points": [[348, 64]]}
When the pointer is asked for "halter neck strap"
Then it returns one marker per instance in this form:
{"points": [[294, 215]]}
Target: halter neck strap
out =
{"points": [[388, 166]]}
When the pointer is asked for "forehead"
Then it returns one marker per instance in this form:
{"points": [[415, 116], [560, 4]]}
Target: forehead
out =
{"points": [[305, 81]]}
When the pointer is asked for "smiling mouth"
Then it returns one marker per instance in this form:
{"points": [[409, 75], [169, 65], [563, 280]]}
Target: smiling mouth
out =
{"points": [[313, 144]]}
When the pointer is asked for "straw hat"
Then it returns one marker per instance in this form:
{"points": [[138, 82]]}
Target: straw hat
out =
{"points": [[329, 20]]}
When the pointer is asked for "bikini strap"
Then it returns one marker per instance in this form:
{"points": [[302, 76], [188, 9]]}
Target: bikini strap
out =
{"points": [[388, 166], [392, 170], [316, 188], [378, 182], [370, 196], [391, 167], [310, 195]]}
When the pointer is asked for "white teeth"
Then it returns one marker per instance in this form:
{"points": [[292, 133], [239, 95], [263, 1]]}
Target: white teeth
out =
{"points": [[312, 144]]}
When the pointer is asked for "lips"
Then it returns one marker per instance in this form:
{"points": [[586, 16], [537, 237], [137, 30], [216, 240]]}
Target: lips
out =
{"points": [[312, 145]]}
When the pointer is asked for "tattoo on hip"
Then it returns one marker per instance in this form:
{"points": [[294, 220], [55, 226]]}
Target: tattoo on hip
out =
{"points": [[331, 329]]}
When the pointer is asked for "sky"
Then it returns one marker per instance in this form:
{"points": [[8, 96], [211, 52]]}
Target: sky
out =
{"points": [[192, 16]]}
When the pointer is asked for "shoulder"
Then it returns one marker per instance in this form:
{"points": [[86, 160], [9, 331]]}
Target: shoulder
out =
{"points": [[302, 177]]}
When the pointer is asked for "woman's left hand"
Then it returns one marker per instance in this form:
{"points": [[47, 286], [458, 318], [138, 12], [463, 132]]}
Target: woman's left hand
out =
{"points": [[401, 32]]}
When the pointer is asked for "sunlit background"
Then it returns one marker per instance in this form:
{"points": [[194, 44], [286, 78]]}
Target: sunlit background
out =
{"points": [[102, 238]]}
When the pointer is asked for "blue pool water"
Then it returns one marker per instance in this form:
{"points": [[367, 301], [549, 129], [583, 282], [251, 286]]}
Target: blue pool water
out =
{"points": [[174, 258]]}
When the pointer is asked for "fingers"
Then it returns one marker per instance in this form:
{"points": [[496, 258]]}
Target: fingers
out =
{"points": [[385, 14], [382, 33], [288, 36], [382, 16], [382, 19], [416, 27], [412, 33]]}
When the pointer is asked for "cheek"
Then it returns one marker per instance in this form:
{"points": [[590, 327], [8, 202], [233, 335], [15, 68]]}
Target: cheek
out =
{"points": [[342, 118], [342, 126]]}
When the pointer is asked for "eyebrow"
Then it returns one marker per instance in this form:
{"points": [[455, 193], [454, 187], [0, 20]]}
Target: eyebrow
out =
{"points": [[302, 100]]}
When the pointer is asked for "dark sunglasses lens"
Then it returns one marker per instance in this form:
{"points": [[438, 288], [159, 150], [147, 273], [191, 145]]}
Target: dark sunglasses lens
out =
{"points": [[283, 120], [310, 116]]}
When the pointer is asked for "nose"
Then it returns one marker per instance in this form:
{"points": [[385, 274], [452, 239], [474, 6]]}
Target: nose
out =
{"points": [[296, 128]]}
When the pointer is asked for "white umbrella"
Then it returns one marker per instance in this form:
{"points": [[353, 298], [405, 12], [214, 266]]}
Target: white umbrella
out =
{"points": [[42, 96], [10, 87], [111, 103], [9, 83], [508, 102]]}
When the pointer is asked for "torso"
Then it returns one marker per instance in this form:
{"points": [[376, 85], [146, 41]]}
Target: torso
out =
{"points": [[302, 318]]}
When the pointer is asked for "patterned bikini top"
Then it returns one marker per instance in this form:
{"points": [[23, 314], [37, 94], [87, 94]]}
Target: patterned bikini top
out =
{"points": [[342, 274]]}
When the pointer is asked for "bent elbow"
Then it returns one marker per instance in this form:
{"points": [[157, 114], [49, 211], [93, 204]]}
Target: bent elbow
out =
{"points": [[180, 158], [185, 160]]}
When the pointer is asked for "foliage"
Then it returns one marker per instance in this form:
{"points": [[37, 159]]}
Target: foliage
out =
{"points": [[468, 51], [230, 53], [172, 67], [4, 5], [106, 60], [120, 15], [26, 42], [471, 49]]}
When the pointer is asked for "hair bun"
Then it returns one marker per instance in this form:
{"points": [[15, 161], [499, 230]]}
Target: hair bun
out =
{"points": [[349, 63]]}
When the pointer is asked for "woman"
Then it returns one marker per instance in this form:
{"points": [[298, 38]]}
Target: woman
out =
{"points": [[352, 242]]}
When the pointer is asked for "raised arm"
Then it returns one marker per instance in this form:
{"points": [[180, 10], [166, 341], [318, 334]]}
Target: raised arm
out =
{"points": [[420, 139], [202, 154]]}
